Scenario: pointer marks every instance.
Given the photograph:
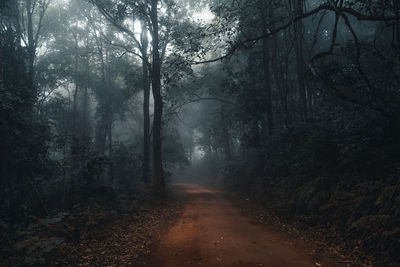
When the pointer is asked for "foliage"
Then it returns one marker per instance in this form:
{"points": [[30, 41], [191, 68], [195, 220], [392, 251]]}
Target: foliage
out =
{"points": [[24, 142], [299, 104]]}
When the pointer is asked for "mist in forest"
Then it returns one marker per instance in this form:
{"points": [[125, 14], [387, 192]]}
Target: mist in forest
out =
{"points": [[292, 104]]}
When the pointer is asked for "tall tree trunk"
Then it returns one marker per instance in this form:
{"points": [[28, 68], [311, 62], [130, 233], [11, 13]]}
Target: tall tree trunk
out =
{"points": [[310, 100], [85, 113], [101, 125], [146, 107], [20, 68], [110, 152], [110, 115], [1, 70], [158, 171], [226, 138], [286, 81], [31, 45], [74, 110], [300, 64], [85, 93], [397, 27], [278, 77], [74, 139], [192, 146], [267, 76]]}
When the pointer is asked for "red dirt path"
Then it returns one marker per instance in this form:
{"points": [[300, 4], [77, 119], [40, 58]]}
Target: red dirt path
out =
{"points": [[212, 232]]}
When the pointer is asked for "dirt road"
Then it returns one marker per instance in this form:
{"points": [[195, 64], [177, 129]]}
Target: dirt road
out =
{"points": [[212, 232]]}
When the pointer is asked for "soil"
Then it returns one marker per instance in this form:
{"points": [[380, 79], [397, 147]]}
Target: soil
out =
{"points": [[195, 226], [214, 231]]}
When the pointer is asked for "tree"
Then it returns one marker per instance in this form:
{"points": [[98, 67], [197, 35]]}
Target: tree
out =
{"points": [[146, 104], [30, 16], [147, 12], [24, 148], [158, 171], [151, 19]]}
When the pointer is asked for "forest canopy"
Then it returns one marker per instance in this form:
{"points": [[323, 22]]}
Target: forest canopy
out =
{"points": [[295, 100]]}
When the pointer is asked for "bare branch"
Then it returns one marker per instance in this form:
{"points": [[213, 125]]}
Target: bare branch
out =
{"points": [[40, 25], [114, 22], [326, 6], [196, 100]]}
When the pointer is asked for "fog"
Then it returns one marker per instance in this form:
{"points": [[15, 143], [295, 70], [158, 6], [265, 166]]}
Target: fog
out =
{"points": [[293, 104]]}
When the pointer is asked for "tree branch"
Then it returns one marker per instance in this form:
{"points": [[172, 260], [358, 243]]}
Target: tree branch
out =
{"points": [[115, 23], [326, 6]]}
